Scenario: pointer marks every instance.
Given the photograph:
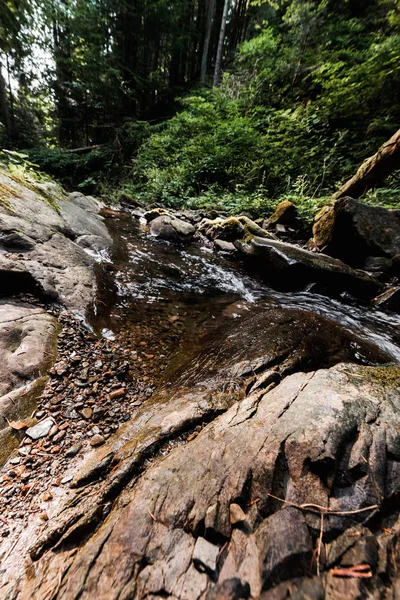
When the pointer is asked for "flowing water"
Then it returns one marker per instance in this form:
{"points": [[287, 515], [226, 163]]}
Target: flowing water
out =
{"points": [[153, 279]]}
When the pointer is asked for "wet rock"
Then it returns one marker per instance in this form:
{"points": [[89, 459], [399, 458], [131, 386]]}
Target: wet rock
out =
{"points": [[205, 556], [285, 214], [97, 440], [232, 228], [224, 246], [389, 300], [40, 430], [289, 267], [352, 231], [171, 229]]}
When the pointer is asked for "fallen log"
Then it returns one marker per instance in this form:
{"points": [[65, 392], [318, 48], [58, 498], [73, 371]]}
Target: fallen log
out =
{"points": [[374, 170]]}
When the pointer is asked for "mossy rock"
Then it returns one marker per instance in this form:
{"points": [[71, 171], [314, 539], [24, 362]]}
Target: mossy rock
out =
{"points": [[232, 229]]}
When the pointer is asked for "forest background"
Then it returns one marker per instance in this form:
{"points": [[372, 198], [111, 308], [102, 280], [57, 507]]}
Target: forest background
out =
{"points": [[234, 104]]}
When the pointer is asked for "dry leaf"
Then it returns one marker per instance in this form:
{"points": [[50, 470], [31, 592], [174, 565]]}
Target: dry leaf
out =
{"points": [[17, 425]]}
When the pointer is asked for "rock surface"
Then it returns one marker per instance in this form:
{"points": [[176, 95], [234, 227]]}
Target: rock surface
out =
{"points": [[28, 337], [41, 234], [352, 231], [327, 438]]}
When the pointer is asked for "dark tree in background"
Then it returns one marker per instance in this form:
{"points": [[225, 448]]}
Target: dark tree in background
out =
{"points": [[106, 61]]}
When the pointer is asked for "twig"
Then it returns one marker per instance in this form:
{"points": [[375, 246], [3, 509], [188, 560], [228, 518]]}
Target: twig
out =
{"points": [[321, 533], [253, 502], [316, 508], [322, 511], [3, 520], [358, 571], [223, 548], [151, 514]]}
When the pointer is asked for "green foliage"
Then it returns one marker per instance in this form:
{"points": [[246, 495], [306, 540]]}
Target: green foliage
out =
{"points": [[309, 96]]}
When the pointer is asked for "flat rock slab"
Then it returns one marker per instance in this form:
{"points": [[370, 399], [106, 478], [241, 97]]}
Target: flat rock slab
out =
{"points": [[328, 438], [291, 268], [49, 242]]}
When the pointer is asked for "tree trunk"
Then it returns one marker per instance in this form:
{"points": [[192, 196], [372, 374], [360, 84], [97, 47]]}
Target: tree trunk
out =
{"points": [[374, 170], [218, 60], [204, 59], [4, 111]]}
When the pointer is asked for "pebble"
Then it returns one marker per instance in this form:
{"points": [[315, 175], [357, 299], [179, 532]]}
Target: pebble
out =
{"points": [[97, 440], [117, 393], [236, 514], [86, 413], [47, 496], [73, 450], [67, 479]]}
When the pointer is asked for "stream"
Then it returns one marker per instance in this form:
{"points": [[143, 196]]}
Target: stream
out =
{"points": [[148, 279]]}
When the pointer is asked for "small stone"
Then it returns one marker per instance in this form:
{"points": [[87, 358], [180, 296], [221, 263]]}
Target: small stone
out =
{"points": [[47, 496], [86, 413], [40, 430], [236, 514], [117, 393], [73, 450], [67, 479], [44, 516], [60, 435], [97, 440], [53, 430], [61, 368], [15, 461]]}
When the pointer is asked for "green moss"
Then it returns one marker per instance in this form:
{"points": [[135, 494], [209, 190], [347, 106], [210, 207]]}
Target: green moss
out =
{"points": [[383, 376], [7, 192]]}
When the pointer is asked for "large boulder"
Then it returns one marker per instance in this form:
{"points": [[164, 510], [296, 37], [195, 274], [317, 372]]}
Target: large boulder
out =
{"points": [[49, 242], [289, 267], [171, 229], [352, 231], [320, 443], [28, 337]]}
